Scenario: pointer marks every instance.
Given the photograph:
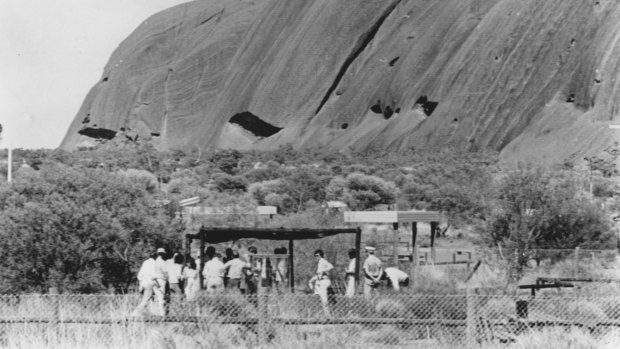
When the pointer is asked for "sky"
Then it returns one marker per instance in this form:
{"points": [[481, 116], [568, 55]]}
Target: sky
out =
{"points": [[51, 54]]}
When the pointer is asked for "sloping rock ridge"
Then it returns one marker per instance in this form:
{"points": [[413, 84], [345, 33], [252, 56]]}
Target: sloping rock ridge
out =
{"points": [[535, 79]]}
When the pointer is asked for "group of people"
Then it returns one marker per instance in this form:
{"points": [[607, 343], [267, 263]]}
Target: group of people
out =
{"points": [[161, 278], [374, 274], [373, 270]]}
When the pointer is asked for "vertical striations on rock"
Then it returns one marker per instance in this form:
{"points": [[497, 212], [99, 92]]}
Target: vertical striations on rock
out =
{"points": [[534, 79]]}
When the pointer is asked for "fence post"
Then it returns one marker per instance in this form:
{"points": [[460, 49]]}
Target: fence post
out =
{"points": [[576, 262], [55, 320], [415, 253], [263, 313], [471, 317], [416, 264]]}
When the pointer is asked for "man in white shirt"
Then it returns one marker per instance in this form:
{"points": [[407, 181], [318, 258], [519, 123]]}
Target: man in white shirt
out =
{"points": [[235, 271], [320, 282], [213, 273], [372, 272], [395, 277], [146, 276], [350, 275], [160, 278]]}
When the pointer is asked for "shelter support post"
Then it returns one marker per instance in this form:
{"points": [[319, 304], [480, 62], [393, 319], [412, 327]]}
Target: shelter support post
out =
{"points": [[434, 226], [291, 270], [415, 258], [188, 247], [395, 243], [202, 261], [358, 246]]}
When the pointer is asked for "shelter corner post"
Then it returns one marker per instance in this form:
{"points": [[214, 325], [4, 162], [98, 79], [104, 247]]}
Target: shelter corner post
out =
{"points": [[395, 243], [202, 260], [188, 247], [291, 270], [358, 246], [434, 227], [415, 258]]}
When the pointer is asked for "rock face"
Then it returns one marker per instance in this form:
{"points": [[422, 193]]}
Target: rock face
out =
{"points": [[535, 79]]}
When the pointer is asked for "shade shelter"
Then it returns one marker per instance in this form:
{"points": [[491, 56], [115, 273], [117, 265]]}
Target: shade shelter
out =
{"points": [[214, 235], [397, 217]]}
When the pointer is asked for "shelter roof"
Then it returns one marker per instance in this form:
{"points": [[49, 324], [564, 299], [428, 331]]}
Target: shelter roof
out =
{"points": [[214, 235]]}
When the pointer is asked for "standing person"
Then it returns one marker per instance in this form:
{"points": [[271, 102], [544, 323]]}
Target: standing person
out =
{"points": [[190, 275], [146, 276], [159, 286], [280, 269], [213, 273], [234, 267], [175, 274], [320, 282], [395, 277], [372, 272], [228, 256], [350, 275], [253, 267]]}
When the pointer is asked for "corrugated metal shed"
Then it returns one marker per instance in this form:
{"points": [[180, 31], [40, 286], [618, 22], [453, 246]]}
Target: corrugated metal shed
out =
{"points": [[391, 216]]}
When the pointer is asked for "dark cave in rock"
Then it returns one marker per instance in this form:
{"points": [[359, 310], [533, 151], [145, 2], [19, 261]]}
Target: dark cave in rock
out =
{"points": [[97, 133], [426, 105], [254, 124]]}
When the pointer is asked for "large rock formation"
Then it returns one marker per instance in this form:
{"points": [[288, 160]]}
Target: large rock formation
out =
{"points": [[535, 79]]}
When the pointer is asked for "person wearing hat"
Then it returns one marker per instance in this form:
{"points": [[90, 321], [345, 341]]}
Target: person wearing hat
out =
{"points": [[372, 272], [146, 279], [160, 279]]}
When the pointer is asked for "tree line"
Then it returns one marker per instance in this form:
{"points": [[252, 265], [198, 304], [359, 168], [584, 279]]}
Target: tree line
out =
{"points": [[84, 220]]}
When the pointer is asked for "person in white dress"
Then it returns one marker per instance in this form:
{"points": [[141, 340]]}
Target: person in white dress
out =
{"points": [[190, 275], [350, 275], [281, 268]]}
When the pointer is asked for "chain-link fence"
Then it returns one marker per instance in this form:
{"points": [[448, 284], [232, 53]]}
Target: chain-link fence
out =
{"points": [[289, 320]]}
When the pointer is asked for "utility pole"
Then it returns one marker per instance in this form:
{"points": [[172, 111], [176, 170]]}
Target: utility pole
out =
{"points": [[9, 159], [9, 170]]}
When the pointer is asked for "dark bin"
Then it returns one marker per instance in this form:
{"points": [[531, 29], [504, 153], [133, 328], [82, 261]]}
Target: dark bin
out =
{"points": [[521, 309]]}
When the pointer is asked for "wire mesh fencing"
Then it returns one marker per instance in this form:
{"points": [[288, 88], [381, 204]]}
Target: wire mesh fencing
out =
{"points": [[284, 319]]}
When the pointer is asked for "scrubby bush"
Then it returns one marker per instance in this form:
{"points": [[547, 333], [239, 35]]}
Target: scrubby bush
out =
{"points": [[228, 183], [361, 192], [78, 230], [534, 209]]}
